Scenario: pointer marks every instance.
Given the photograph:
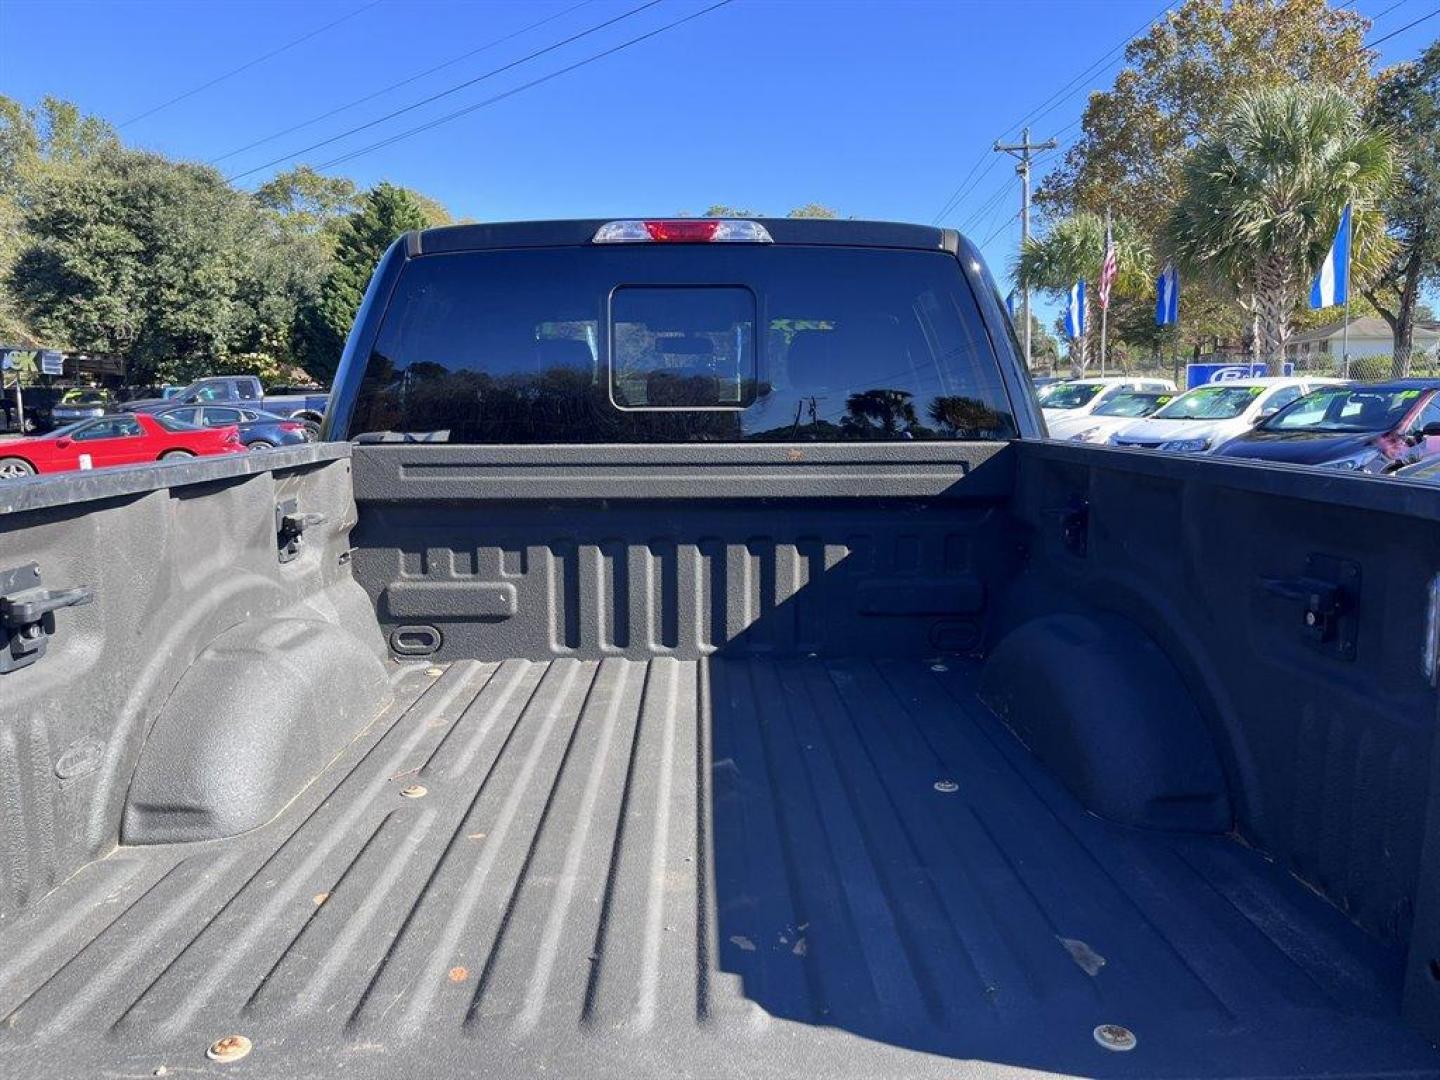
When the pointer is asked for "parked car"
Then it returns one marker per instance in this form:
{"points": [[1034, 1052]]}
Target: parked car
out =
{"points": [[1366, 427], [1119, 410], [80, 403], [239, 390], [258, 430], [113, 440], [565, 731], [1426, 470], [1069, 405], [1200, 420]]}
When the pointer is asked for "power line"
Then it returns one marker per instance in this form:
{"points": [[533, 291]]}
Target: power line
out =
{"points": [[1003, 226], [996, 221], [1376, 18], [249, 64], [958, 197], [995, 196], [351, 155], [989, 204], [1104, 61], [1373, 19], [448, 91], [955, 195], [966, 186], [1407, 26], [403, 82], [960, 192]]}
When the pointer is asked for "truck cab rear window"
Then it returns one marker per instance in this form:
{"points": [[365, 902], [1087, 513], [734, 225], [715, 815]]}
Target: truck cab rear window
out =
{"points": [[692, 343]]}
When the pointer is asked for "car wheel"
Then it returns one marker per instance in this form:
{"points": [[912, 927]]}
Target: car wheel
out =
{"points": [[14, 468], [176, 455], [261, 444]]}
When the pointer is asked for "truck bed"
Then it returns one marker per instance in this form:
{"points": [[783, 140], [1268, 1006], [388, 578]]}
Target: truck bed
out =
{"points": [[757, 867]]}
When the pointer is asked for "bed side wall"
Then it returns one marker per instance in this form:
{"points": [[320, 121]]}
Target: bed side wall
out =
{"points": [[176, 557], [1326, 744]]}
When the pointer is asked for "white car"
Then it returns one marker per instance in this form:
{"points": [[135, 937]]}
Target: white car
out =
{"points": [[1069, 405], [1199, 420], [1119, 411]]}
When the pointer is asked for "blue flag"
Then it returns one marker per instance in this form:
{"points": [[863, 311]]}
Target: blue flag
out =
{"points": [[1010, 305], [1167, 296], [1332, 284], [1075, 311]]}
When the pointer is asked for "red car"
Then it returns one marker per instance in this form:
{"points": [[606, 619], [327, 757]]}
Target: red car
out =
{"points": [[128, 439]]}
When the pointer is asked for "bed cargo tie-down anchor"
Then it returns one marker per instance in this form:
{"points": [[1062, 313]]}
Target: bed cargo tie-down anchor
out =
{"points": [[290, 526], [1074, 519], [1329, 591], [27, 615]]}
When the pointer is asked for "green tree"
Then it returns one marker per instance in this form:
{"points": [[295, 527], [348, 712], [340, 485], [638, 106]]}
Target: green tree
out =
{"points": [[809, 210], [436, 213], [1407, 104], [1175, 85], [34, 144], [879, 413], [1263, 196], [309, 203], [721, 210], [1044, 347], [961, 417], [1072, 249], [385, 212], [160, 262]]}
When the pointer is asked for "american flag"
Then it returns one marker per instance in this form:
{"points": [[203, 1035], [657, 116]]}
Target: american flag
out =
{"points": [[1109, 269]]}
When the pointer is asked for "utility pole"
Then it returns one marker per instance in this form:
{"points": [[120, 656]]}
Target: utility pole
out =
{"points": [[1105, 298], [1023, 150]]}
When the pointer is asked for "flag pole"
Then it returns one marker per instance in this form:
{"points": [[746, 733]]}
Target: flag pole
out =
{"points": [[1345, 329], [1105, 305]]}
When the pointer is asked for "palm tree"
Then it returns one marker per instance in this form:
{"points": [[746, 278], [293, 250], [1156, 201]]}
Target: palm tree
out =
{"points": [[1074, 248], [890, 411], [1262, 200], [962, 417]]}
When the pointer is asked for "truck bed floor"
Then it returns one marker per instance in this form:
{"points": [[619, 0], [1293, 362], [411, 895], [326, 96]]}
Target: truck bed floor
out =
{"points": [[837, 868]]}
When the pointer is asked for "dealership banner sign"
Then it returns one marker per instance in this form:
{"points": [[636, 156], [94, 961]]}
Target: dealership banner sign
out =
{"points": [[1200, 374]]}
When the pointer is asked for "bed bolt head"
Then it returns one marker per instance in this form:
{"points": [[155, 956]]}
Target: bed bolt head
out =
{"points": [[230, 1048], [947, 787], [1115, 1037], [414, 791]]}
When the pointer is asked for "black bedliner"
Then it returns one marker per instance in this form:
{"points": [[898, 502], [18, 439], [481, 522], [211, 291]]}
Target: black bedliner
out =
{"points": [[739, 867]]}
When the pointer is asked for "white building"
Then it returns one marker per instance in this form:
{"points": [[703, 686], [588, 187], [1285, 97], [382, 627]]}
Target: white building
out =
{"points": [[1369, 336]]}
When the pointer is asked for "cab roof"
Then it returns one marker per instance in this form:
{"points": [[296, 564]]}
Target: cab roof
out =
{"points": [[580, 232]]}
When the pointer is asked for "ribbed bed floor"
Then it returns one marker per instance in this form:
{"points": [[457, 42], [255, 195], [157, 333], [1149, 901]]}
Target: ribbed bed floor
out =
{"points": [[734, 867]]}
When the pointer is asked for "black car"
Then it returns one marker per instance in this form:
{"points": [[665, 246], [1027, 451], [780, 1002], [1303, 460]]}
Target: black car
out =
{"points": [[258, 430], [1365, 427]]}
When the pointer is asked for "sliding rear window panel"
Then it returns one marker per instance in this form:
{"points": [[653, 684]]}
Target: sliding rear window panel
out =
{"points": [[732, 394]]}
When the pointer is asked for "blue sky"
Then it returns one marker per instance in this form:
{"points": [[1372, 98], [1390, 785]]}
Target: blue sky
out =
{"points": [[876, 109]]}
